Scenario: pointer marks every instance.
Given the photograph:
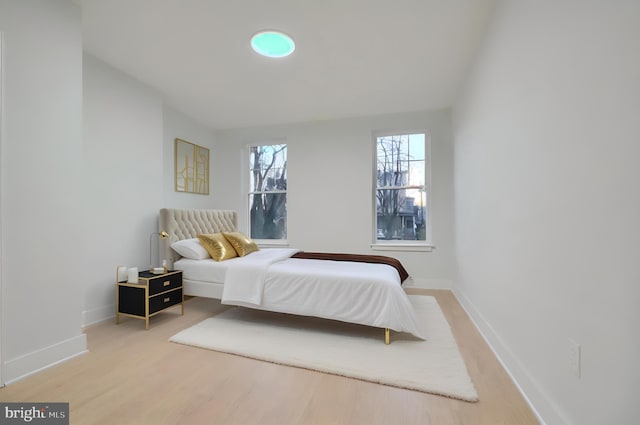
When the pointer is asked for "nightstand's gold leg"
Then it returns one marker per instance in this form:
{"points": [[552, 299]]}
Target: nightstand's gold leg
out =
{"points": [[386, 336], [146, 323], [117, 300]]}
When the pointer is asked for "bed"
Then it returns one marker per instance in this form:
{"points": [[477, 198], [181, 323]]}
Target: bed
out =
{"points": [[274, 279]]}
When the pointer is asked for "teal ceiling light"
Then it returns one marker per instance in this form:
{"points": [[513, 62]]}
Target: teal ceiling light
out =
{"points": [[272, 44]]}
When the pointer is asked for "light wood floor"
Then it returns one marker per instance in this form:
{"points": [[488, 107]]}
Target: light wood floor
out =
{"points": [[133, 376]]}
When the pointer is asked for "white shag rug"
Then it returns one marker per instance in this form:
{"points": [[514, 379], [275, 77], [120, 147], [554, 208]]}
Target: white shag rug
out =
{"points": [[433, 366]]}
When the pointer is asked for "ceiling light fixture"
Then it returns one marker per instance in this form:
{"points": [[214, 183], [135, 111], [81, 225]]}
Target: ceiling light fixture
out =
{"points": [[272, 44]]}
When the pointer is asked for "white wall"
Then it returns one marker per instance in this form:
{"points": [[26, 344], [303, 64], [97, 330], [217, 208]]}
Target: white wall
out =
{"points": [[547, 203], [330, 185], [41, 192], [178, 125], [123, 160], [128, 157]]}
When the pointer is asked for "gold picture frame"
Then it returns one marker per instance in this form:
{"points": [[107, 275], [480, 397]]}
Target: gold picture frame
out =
{"points": [[191, 169]]}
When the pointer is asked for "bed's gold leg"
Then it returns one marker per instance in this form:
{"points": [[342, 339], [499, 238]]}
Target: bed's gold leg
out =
{"points": [[387, 333]]}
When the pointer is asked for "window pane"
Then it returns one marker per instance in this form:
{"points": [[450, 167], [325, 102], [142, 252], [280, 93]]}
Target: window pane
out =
{"points": [[416, 146], [268, 212], [267, 165], [416, 173], [400, 214]]}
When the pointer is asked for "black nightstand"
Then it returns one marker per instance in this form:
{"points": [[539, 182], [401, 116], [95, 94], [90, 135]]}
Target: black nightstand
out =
{"points": [[151, 295]]}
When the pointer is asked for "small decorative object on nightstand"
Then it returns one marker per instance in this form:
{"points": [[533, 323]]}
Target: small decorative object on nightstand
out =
{"points": [[121, 274], [152, 294]]}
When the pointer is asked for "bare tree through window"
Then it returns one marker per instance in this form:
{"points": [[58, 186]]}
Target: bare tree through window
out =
{"points": [[268, 191], [400, 192]]}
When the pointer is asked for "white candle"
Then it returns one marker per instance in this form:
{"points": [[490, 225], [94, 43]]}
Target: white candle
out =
{"points": [[122, 274], [132, 275]]}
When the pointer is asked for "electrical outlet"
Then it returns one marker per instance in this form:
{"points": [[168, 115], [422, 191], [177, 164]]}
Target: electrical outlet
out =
{"points": [[574, 357]]}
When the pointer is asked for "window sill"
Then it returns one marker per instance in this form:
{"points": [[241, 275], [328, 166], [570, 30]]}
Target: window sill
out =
{"points": [[402, 247], [265, 243]]}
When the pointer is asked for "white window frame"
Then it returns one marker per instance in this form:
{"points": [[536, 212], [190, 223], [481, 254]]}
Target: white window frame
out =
{"points": [[402, 245], [247, 192]]}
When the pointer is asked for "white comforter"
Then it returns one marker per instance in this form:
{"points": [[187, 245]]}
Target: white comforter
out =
{"points": [[244, 280], [367, 294]]}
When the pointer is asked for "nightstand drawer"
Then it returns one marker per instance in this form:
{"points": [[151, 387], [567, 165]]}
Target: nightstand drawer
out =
{"points": [[131, 300], [164, 283], [162, 301]]}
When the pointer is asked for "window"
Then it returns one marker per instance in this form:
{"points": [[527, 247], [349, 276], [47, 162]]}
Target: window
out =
{"points": [[401, 194], [268, 192]]}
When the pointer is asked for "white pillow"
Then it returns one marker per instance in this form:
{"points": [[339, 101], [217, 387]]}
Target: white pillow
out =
{"points": [[190, 248]]}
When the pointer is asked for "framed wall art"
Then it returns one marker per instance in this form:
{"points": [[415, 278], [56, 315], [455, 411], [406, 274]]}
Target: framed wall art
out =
{"points": [[191, 168]]}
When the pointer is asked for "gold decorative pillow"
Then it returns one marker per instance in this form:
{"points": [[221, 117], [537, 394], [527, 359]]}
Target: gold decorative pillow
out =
{"points": [[241, 243], [217, 246]]}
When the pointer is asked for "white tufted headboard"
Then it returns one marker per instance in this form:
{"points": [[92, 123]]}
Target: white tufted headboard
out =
{"points": [[187, 223]]}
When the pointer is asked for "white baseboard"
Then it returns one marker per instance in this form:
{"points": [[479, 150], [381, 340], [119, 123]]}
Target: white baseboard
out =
{"points": [[97, 315], [525, 383], [428, 283], [28, 364]]}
